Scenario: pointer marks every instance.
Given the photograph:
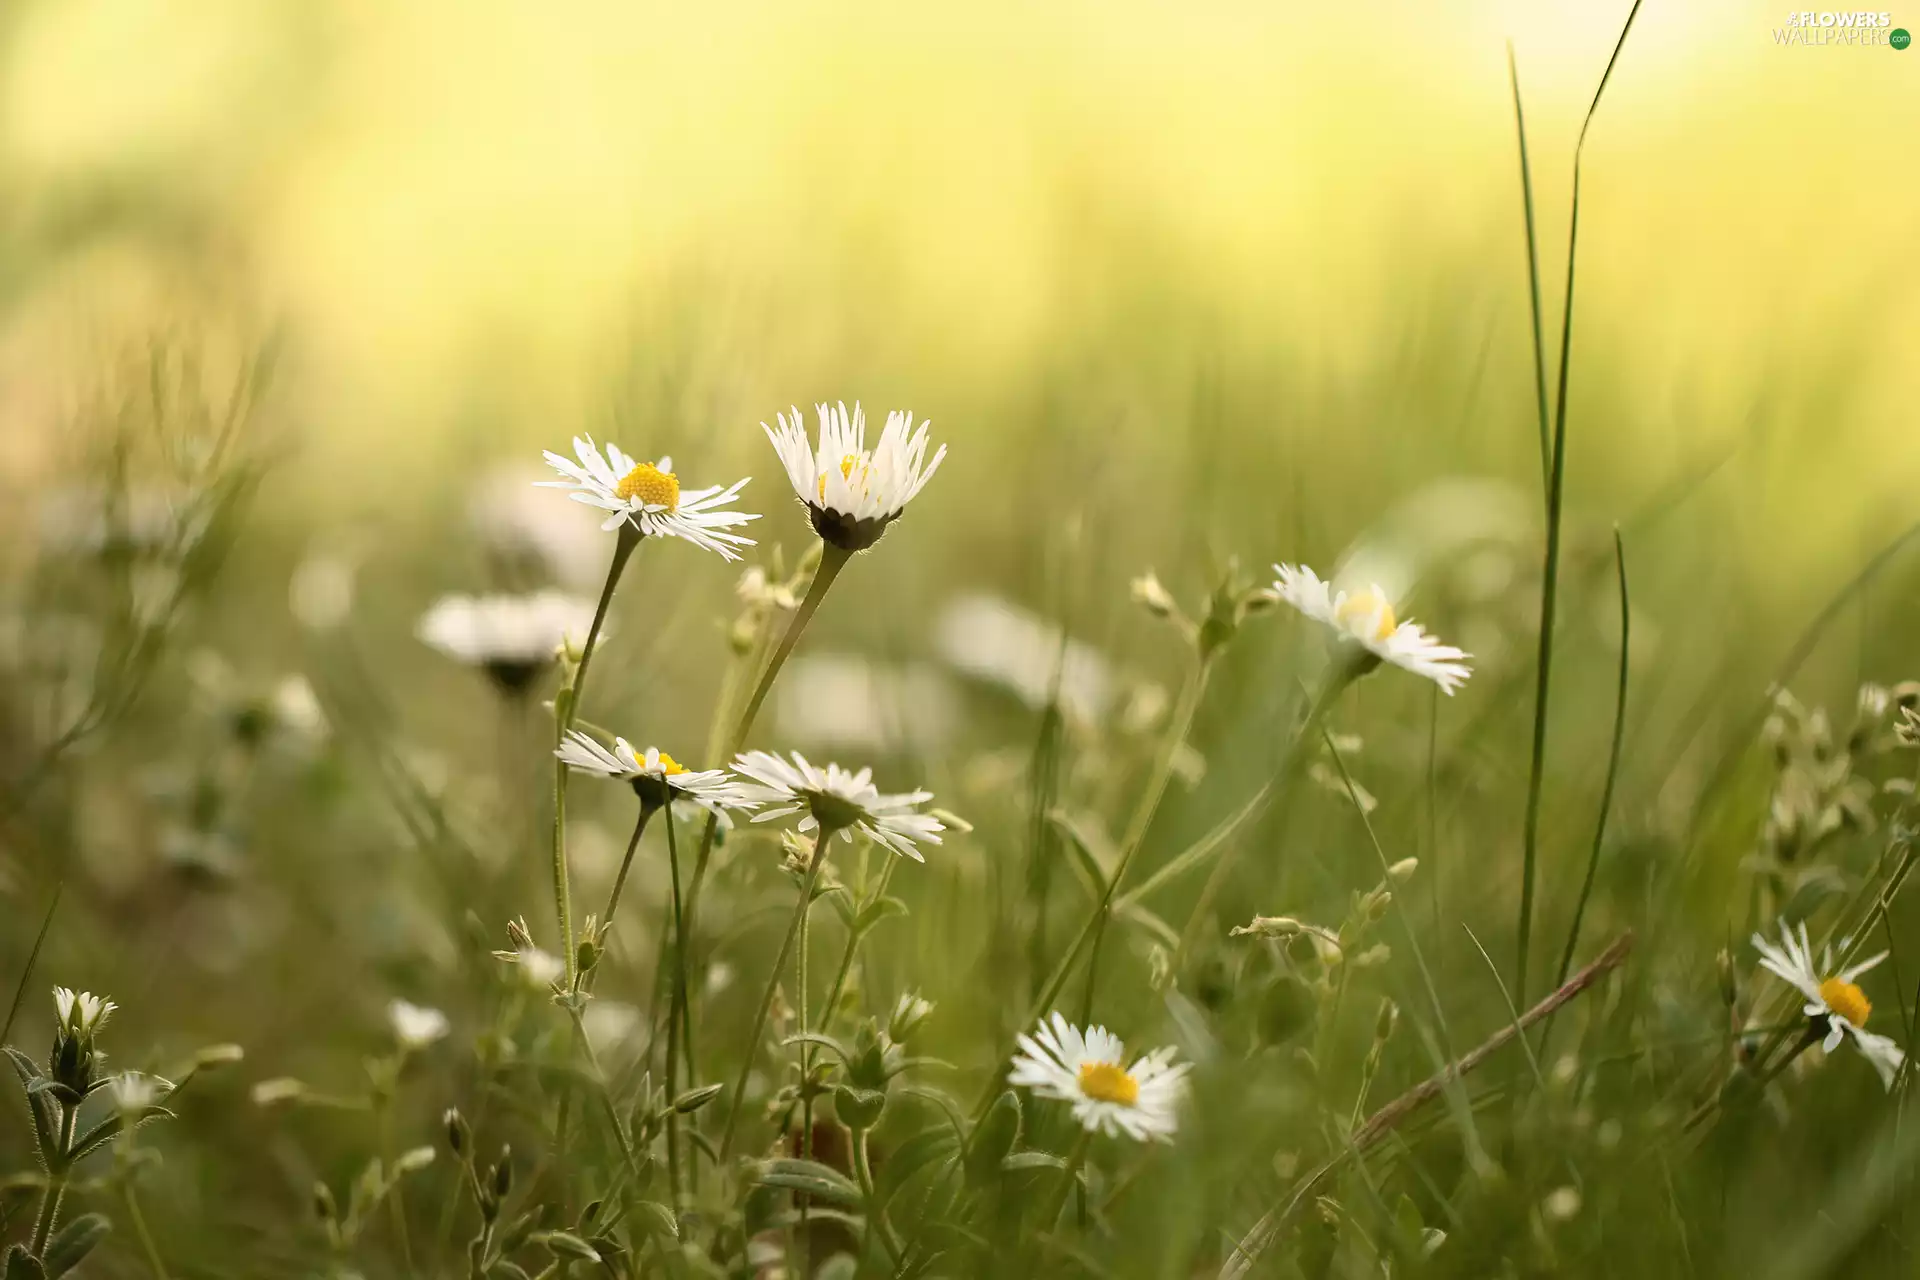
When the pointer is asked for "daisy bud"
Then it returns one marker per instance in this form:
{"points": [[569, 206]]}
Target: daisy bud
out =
{"points": [[280, 1089], [910, 1012], [459, 1135], [1561, 1204], [1385, 1021], [1402, 871], [502, 1182]]}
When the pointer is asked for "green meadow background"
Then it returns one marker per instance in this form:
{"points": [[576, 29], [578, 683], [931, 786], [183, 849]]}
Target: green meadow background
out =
{"points": [[1177, 284]]}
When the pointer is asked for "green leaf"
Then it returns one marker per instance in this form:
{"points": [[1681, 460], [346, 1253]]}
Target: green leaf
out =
{"points": [[564, 1244], [913, 1155], [823, 1041], [22, 1265], [1020, 1161], [815, 1179], [1091, 847], [1141, 918], [874, 912], [658, 1220], [508, 1271], [46, 1124], [110, 1128], [74, 1242], [994, 1137]]}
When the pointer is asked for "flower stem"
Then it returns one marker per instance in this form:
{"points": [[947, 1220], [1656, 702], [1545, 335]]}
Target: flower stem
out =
{"points": [[147, 1246], [822, 844], [626, 863], [56, 1182], [1338, 677], [832, 560], [565, 705], [876, 1212], [678, 1001], [1178, 727]]}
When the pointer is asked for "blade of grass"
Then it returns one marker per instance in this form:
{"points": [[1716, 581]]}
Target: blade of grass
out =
{"points": [[1613, 773], [1550, 573], [33, 956], [1533, 276]]}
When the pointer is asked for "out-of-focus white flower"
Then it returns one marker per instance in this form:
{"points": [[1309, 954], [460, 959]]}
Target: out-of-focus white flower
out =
{"points": [[609, 1024], [1089, 1070], [852, 493], [841, 799], [1836, 998], [136, 1091], [844, 700], [530, 530], [320, 592], [1365, 618], [512, 637], [416, 1026], [647, 496], [997, 641]]}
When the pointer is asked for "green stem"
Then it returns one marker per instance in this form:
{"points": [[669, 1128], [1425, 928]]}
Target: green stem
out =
{"points": [[832, 561], [675, 1010], [1069, 1178], [566, 704], [876, 1212], [853, 945], [147, 1246], [823, 842], [1338, 677], [620, 878], [56, 1182], [1178, 726]]}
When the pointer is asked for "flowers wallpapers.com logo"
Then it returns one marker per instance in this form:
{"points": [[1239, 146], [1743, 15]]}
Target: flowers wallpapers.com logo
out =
{"points": [[1856, 28]]}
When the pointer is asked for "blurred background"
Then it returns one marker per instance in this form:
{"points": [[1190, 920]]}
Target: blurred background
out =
{"points": [[1176, 283]]}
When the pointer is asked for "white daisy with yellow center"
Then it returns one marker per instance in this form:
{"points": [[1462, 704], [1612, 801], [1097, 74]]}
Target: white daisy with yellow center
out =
{"points": [[647, 495], [512, 637], [844, 800], [1090, 1071], [657, 777], [1836, 997], [1366, 618], [853, 493]]}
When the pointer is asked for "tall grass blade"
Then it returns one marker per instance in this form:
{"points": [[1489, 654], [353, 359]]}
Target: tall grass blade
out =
{"points": [[26, 972], [1550, 573]]}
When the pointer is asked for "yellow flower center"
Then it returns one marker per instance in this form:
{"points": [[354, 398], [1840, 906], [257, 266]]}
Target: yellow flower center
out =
{"points": [[848, 463], [649, 484], [1106, 1082], [1847, 1000], [669, 766], [1367, 606]]}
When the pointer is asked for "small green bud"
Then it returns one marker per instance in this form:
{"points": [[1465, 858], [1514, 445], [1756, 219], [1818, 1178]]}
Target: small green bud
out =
{"points": [[503, 1173], [859, 1109], [459, 1135], [1385, 1021], [324, 1206], [694, 1099], [1728, 980]]}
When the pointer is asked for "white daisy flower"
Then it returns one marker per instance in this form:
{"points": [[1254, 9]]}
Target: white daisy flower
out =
{"points": [[657, 778], [1836, 998], [1089, 1069], [414, 1026], [840, 799], [81, 1013], [1366, 618], [511, 638], [647, 495], [853, 493]]}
